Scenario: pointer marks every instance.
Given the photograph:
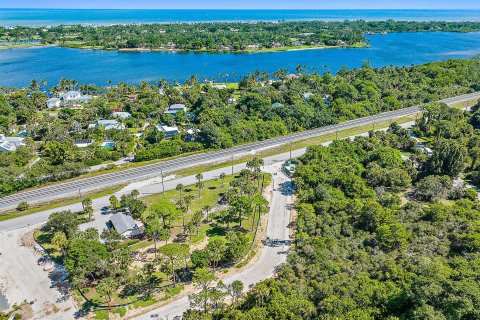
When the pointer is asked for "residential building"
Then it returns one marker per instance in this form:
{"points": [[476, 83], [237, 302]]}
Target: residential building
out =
{"points": [[107, 124], [75, 96], [123, 115], [169, 131], [53, 103], [71, 96], [174, 108], [82, 143], [307, 96], [10, 144], [126, 225]]}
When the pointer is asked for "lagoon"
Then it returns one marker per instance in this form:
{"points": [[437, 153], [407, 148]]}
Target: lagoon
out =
{"points": [[19, 66]]}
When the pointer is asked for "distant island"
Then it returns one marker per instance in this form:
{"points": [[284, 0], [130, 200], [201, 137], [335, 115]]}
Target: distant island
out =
{"points": [[220, 36]]}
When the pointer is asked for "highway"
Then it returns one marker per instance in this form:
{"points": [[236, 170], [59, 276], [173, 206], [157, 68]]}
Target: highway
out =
{"points": [[70, 188]]}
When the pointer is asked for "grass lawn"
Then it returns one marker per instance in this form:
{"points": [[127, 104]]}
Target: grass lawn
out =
{"points": [[38, 207]]}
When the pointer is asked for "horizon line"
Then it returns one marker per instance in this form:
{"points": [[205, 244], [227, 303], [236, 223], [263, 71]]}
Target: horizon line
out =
{"points": [[253, 9]]}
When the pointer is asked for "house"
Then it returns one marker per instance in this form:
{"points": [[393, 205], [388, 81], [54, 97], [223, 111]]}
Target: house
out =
{"points": [[192, 134], [428, 151], [107, 124], [253, 47], [174, 108], [53, 103], [307, 95], [232, 101], [123, 115], [71, 96], [169, 131], [126, 225], [82, 143], [277, 105], [75, 96], [10, 144], [84, 99], [220, 86], [327, 99]]}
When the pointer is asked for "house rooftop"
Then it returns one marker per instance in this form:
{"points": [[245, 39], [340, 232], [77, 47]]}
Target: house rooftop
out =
{"points": [[122, 222]]}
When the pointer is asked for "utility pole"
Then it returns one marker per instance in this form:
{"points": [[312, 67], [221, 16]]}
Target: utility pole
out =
{"points": [[373, 126], [163, 185], [291, 143], [81, 198], [232, 164], [336, 135]]}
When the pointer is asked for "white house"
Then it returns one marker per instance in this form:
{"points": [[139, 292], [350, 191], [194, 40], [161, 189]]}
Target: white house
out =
{"points": [[107, 124], [71, 96], [232, 101], [84, 99], [169, 131], [126, 225], [307, 96], [10, 144], [123, 115], [53, 103], [82, 143], [174, 108], [75, 96]]}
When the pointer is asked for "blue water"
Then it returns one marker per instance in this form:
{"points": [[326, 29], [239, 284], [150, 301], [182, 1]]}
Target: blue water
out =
{"points": [[19, 66], [35, 17]]}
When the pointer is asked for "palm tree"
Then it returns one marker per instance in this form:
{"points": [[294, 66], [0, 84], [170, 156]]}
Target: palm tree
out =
{"points": [[180, 189], [207, 209], [223, 176]]}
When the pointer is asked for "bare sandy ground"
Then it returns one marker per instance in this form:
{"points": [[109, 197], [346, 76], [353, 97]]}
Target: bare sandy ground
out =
{"points": [[24, 276]]}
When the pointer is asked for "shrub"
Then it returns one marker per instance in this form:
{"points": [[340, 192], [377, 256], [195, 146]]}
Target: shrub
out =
{"points": [[22, 206]]}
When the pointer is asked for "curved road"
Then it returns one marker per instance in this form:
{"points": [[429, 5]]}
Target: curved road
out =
{"points": [[70, 188]]}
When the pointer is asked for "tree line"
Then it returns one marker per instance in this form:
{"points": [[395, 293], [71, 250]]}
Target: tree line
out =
{"points": [[225, 36]]}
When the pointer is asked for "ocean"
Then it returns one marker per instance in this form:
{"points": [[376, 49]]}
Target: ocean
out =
{"points": [[51, 17]]}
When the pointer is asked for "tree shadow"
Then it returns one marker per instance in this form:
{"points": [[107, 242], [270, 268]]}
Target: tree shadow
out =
{"points": [[216, 230]]}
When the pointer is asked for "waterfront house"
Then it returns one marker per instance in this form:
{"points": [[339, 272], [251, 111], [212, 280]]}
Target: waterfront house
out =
{"points": [[71, 96], [169, 131], [126, 225], [174, 108], [10, 144], [53, 103], [84, 99]]}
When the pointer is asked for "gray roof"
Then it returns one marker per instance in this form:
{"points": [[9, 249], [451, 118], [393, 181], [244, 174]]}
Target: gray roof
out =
{"points": [[122, 222]]}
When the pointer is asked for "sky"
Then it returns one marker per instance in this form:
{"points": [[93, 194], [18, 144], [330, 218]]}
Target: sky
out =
{"points": [[244, 4]]}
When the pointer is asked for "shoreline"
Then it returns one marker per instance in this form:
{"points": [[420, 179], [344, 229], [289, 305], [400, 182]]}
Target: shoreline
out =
{"points": [[22, 46], [143, 50]]}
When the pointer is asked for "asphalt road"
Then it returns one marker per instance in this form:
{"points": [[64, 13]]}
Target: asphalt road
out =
{"points": [[70, 188]]}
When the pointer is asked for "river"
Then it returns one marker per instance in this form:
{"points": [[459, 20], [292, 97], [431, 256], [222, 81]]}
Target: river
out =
{"points": [[19, 66]]}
